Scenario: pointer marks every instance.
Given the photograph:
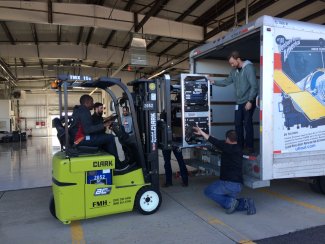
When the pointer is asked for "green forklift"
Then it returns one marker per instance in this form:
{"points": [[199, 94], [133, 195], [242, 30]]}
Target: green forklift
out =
{"points": [[85, 181]]}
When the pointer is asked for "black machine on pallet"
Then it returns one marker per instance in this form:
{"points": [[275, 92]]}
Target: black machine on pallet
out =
{"points": [[184, 103]]}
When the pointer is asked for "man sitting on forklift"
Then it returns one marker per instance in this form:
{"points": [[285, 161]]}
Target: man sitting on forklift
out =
{"points": [[98, 116], [98, 113], [85, 133]]}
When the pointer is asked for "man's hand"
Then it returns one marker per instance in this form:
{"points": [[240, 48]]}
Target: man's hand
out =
{"points": [[197, 130], [110, 118], [108, 124], [211, 81], [248, 106]]}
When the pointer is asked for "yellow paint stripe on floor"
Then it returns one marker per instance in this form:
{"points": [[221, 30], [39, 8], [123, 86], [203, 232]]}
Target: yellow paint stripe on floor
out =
{"points": [[216, 221], [295, 201], [246, 242], [77, 234]]}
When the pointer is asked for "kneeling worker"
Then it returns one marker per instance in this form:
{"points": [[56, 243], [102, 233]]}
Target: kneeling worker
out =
{"points": [[226, 190]]}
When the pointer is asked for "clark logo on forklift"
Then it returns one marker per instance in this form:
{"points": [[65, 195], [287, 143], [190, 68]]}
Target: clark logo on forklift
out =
{"points": [[102, 191], [153, 130], [100, 204], [102, 163]]}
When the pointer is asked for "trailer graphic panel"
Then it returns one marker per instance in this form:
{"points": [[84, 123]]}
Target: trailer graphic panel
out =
{"points": [[299, 103]]}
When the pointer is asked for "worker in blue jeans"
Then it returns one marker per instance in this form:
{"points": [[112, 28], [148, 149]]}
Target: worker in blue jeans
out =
{"points": [[226, 190], [168, 168]]}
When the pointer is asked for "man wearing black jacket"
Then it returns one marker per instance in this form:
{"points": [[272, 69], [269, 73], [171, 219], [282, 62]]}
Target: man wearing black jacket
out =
{"points": [[98, 114], [85, 133], [226, 189]]}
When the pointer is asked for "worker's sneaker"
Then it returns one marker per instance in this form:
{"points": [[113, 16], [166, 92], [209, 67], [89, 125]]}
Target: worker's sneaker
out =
{"points": [[167, 185], [184, 184], [250, 206], [233, 207]]}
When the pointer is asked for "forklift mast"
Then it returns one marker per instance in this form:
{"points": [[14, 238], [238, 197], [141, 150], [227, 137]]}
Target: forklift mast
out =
{"points": [[144, 95]]}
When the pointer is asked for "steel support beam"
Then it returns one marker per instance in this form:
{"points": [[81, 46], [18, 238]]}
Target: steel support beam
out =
{"points": [[314, 15], [153, 11], [70, 52], [295, 8], [8, 33], [255, 8], [88, 15]]}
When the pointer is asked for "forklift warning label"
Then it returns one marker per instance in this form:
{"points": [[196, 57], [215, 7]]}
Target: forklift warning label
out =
{"points": [[299, 103]]}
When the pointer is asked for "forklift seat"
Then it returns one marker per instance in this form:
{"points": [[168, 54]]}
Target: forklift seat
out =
{"points": [[74, 150], [60, 131]]}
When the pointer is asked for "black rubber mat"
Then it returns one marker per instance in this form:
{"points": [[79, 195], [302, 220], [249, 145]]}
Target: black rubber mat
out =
{"points": [[315, 235]]}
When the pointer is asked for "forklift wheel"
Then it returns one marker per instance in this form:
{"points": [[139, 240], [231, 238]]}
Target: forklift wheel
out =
{"points": [[52, 207], [147, 200]]}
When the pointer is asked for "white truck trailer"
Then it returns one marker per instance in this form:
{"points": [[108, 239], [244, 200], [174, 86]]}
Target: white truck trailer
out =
{"points": [[289, 57]]}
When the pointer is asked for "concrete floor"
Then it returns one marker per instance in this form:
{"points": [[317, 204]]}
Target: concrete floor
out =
{"points": [[185, 215], [27, 164]]}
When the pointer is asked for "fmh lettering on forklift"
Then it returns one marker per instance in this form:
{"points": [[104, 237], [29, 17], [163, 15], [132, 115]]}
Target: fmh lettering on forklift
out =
{"points": [[100, 204], [102, 163]]}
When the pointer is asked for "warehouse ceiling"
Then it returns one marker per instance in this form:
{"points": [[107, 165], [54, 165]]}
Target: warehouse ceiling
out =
{"points": [[40, 39]]}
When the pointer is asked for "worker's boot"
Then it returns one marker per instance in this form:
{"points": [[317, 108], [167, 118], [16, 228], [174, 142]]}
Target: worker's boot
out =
{"points": [[233, 207], [250, 206]]}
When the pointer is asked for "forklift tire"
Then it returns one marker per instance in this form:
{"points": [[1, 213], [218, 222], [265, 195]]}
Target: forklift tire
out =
{"points": [[322, 183], [147, 200], [315, 185], [52, 207]]}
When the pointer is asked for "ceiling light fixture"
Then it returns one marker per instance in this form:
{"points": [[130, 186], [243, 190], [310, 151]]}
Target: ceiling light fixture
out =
{"points": [[155, 75], [92, 92]]}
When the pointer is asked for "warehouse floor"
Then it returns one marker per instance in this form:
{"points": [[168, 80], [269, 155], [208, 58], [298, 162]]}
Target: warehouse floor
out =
{"points": [[185, 215]]}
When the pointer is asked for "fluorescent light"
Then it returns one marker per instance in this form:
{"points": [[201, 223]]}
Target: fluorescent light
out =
{"points": [[93, 91], [138, 42], [155, 75]]}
